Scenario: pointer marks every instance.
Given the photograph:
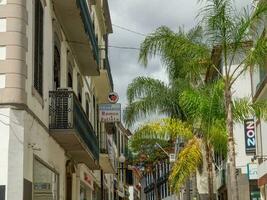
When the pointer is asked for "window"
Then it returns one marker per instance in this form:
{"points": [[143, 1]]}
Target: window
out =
{"points": [[2, 24], [87, 106], [45, 182], [95, 122], [56, 68], [69, 78], [79, 88], [2, 52], [38, 48]]}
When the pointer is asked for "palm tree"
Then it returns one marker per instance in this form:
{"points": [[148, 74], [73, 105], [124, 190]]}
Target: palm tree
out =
{"points": [[146, 95], [230, 31], [204, 130], [226, 29]]}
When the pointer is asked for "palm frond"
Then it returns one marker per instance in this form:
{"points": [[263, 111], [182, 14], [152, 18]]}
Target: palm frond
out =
{"points": [[203, 103], [218, 137], [243, 109], [146, 86], [258, 53], [181, 55], [165, 128], [217, 17], [148, 96], [189, 159]]}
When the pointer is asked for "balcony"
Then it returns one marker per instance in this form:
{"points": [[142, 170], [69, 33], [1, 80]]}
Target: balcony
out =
{"points": [[107, 154], [149, 187], [78, 27], [70, 127], [104, 82]]}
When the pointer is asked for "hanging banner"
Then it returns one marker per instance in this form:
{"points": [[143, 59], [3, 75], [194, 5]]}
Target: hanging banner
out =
{"points": [[250, 136], [109, 112]]}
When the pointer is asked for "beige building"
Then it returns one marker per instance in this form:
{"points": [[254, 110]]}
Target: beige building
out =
{"points": [[259, 93], [54, 71]]}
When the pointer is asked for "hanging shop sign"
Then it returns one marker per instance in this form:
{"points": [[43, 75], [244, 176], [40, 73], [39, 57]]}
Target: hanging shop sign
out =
{"points": [[86, 176], [113, 97], [250, 136], [109, 112], [252, 171]]}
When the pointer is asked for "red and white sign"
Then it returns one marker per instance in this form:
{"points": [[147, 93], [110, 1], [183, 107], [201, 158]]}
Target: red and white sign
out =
{"points": [[109, 112], [113, 97]]}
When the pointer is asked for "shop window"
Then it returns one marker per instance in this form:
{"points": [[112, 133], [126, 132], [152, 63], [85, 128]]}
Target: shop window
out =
{"points": [[45, 182], [85, 193]]}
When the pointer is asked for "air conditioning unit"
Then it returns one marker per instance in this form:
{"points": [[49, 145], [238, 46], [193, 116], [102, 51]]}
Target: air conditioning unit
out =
{"points": [[172, 157]]}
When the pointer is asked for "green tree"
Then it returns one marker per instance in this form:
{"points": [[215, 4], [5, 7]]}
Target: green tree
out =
{"points": [[227, 29], [231, 30], [148, 96], [204, 131]]}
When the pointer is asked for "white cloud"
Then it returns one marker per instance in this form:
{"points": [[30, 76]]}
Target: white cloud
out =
{"points": [[144, 16]]}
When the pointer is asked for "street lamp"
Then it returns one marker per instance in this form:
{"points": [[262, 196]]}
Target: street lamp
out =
{"points": [[122, 158]]}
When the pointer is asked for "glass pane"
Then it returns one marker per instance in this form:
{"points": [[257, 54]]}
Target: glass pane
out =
{"points": [[45, 182]]}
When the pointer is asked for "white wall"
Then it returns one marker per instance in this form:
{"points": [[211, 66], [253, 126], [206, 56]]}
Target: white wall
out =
{"points": [[22, 137], [38, 142], [40, 106], [4, 144], [241, 88]]}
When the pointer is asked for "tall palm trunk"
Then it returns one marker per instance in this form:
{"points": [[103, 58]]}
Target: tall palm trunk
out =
{"points": [[210, 172], [233, 186]]}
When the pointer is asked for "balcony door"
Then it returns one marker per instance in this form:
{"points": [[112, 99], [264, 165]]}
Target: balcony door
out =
{"points": [[56, 82]]}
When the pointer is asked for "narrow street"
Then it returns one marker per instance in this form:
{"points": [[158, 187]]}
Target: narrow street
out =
{"points": [[133, 100]]}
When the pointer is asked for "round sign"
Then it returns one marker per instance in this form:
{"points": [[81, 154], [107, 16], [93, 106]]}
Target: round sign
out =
{"points": [[113, 97]]}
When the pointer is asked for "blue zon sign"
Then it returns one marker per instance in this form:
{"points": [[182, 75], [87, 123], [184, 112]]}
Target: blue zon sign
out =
{"points": [[250, 136]]}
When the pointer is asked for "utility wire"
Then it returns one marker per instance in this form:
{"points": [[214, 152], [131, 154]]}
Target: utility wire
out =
{"points": [[129, 30], [124, 47]]}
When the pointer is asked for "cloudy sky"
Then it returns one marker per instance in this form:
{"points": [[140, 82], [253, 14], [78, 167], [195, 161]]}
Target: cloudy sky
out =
{"points": [[144, 16]]}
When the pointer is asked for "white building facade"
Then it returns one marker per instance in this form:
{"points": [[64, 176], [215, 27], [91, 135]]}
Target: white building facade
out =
{"points": [[54, 71]]}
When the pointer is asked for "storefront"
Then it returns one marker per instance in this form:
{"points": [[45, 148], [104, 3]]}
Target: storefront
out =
{"points": [[252, 171], [45, 181], [86, 183]]}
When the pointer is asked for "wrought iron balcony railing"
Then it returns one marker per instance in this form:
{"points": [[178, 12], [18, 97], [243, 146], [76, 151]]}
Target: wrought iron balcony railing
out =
{"points": [[66, 113]]}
